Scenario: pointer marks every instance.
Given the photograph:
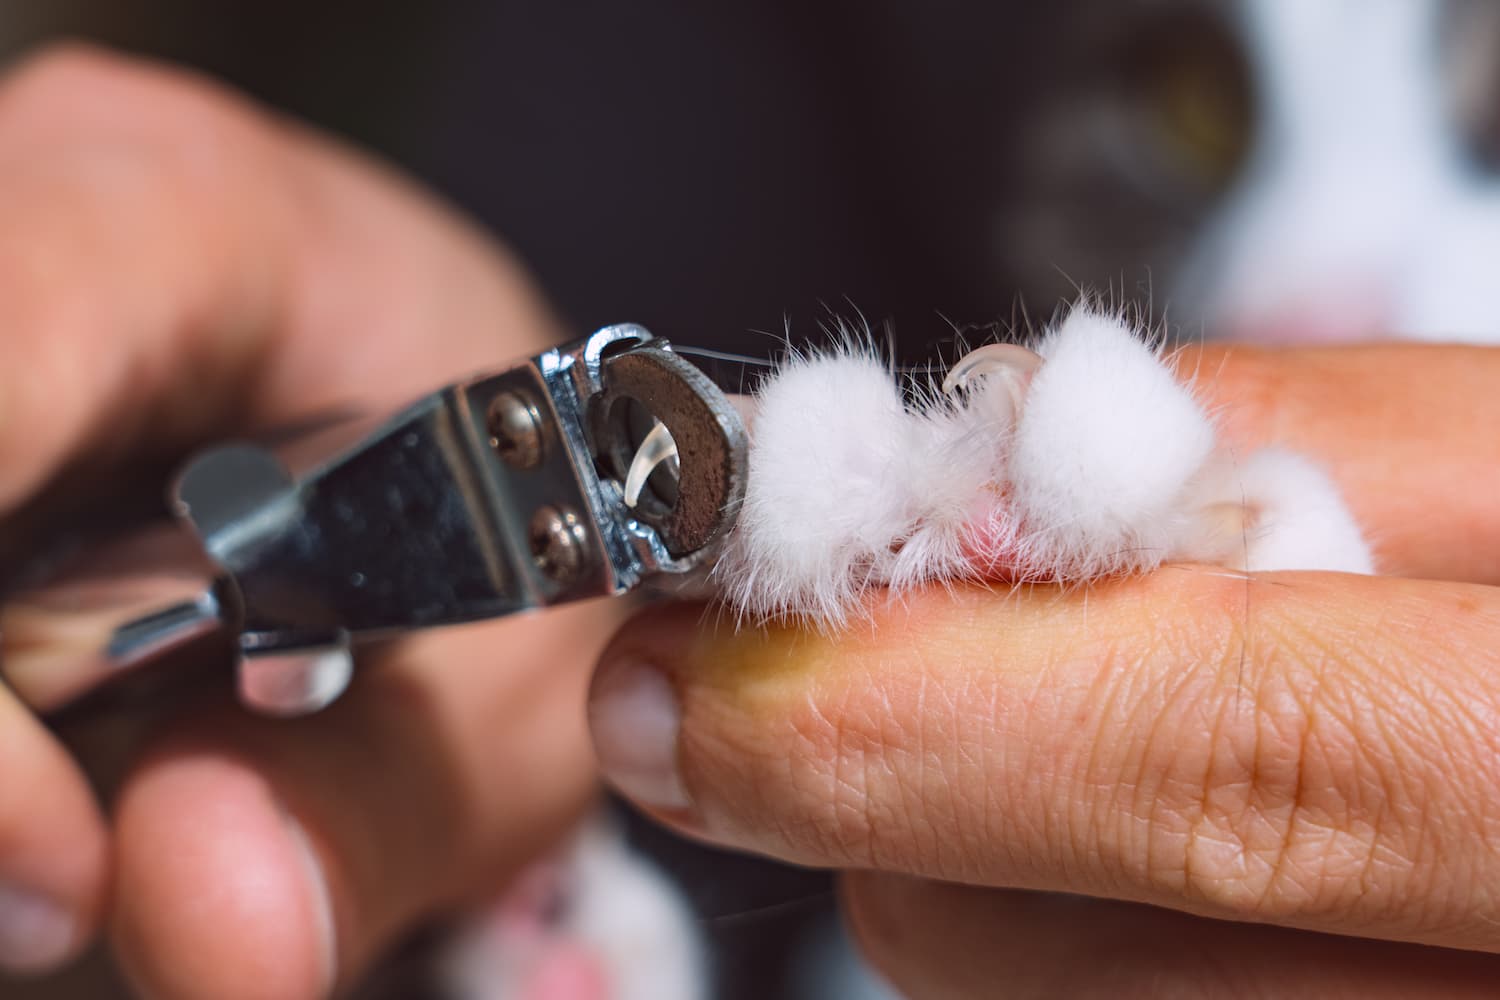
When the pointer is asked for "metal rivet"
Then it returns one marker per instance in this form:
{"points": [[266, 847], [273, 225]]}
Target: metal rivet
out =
{"points": [[558, 543], [515, 430]]}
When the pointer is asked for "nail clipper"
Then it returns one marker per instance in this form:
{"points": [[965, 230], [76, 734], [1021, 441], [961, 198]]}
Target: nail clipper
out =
{"points": [[584, 471]]}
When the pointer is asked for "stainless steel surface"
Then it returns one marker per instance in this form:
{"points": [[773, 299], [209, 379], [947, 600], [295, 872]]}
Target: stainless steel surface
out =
{"points": [[125, 604], [488, 497]]}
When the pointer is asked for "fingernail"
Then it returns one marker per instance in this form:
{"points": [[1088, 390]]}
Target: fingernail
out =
{"points": [[635, 720], [36, 933], [321, 901]]}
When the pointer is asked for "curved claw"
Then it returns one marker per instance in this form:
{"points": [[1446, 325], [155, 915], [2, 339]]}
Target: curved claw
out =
{"points": [[1011, 361], [658, 447], [1008, 366]]}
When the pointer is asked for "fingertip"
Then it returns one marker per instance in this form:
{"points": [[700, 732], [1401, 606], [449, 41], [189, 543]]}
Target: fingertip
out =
{"points": [[53, 849], [635, 702], [219, 892], [634, 718]]}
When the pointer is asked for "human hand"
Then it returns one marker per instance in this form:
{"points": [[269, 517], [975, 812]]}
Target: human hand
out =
{"points": [[1286, 753], [176, 266]]}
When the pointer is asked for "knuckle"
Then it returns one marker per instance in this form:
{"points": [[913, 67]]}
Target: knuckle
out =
{"points": [[1290, 798], [127, 186], [60, 63], [69, 78], [54, 97]]}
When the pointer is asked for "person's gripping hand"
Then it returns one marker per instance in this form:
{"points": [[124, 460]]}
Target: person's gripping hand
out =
{"points": [[1288, 753], [176, 265]]}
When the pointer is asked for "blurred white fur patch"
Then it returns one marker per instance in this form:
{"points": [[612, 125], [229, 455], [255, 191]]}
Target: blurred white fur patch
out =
{"points": [[610, 912], [1090, 459]]}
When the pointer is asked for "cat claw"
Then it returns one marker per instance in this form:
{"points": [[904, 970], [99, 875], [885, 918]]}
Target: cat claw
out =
{"points": [[1010, 361], [1010, 365], [658, 447], [998, 374]]}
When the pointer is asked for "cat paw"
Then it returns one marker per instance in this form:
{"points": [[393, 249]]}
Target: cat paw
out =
{"points": [[1085, 458]]}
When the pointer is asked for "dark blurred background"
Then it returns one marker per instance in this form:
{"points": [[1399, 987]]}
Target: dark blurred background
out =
{"points": [[715, 171]]}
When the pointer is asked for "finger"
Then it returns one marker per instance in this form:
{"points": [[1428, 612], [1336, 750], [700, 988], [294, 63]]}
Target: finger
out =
{"points": [[173, 259], [1309, 749], [52, 847], [1402, 427], [936, 940], [264, 859]]}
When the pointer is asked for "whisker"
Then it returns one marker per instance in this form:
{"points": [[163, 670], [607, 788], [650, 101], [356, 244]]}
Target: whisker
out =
{"points": [[768, 910], [704, 352]]}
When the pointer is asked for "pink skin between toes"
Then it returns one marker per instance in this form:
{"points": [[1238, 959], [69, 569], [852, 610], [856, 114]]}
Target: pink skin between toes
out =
{"points": [[551, 963]]}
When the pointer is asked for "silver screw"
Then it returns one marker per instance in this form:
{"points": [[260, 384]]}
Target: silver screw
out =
{"points": [[515, 430], [558, 543]]}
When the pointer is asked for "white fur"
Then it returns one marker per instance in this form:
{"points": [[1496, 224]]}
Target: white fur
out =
{"points": [[1297, 519], [1110, 466], [847, 489], [638, 920], [632, 919], [829, 483], [1107, 443], [1357, 214]]}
